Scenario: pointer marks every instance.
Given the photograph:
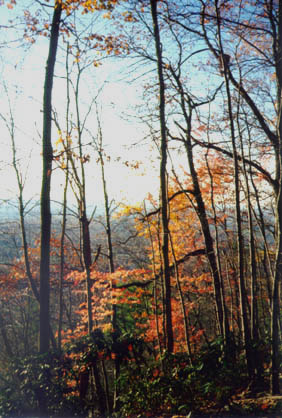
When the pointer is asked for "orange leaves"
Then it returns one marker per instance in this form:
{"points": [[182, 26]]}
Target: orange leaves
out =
{"points": [[107, 43], [87, 6], [128, 17], [10, 6], [106, 294], [201, 128]]}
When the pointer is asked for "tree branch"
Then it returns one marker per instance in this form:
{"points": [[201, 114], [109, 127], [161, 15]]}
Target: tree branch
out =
{"points": [[146, 283]]}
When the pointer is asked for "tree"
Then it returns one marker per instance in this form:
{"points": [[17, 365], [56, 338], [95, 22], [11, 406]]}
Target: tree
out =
{"points": [[163, 180], [47, 156], [259, 39], [198, 319]]}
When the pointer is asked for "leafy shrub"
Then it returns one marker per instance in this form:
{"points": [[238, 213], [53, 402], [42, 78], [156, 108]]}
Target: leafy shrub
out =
{"points": [[19, 396], [171, 384]]}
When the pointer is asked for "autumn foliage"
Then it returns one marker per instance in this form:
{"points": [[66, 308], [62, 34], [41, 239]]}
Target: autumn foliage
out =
{"points": [[172, 305]]}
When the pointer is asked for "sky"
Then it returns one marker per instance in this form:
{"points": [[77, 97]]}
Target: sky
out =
{"points": [[126, 141], [23, 73]]}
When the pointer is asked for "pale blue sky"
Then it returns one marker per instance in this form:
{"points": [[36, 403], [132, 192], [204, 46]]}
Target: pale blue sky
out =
{"points": [[23, 73]]}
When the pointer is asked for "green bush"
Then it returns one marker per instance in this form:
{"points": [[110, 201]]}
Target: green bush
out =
{"points": [[19, 395], [171, 384]]}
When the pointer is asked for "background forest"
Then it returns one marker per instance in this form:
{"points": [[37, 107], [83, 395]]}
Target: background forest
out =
{"points": [[162, 298]]}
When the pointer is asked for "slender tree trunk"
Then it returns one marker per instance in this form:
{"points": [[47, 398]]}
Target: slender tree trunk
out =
{"points": [[163, 180], [31, 280], [252, 255], [47, 155], [86, 241], [62, 261], [275, 337], [10, 124], [64, 215], [108, 217], [115, 405], [240, 246], [226, 330], [181, 297], [155, 289], [258, 214], [201, 209]]}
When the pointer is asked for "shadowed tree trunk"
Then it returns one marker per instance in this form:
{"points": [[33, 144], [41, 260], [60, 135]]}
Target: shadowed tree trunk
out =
{"points": [[47, 155], [275, 337], [163, 180]]}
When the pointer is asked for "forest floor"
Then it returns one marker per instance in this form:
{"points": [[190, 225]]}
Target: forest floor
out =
{"points": [[243, 405], [263, 404]]}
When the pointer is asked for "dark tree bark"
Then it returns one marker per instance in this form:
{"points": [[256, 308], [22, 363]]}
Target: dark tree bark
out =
{"points": [[163, 180], [47, 155], [187, 108], [275, 337]]}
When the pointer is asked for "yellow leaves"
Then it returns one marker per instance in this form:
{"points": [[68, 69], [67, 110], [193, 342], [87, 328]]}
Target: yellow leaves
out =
{"points": [[128, 210], [273, 76], [96, 63], [107, 15], [77, 56], [87, 6], [59, 141]]}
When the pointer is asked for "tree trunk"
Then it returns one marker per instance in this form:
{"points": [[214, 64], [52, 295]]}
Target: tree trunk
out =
{"points": [[226, 329], [185, 102], [275, 337], [163, 181], [47, 155], [115, 405], [240, 246], [64, 214]]}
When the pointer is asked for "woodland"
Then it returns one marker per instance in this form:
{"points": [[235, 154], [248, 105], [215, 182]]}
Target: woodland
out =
{"points": [[169, 306]]}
